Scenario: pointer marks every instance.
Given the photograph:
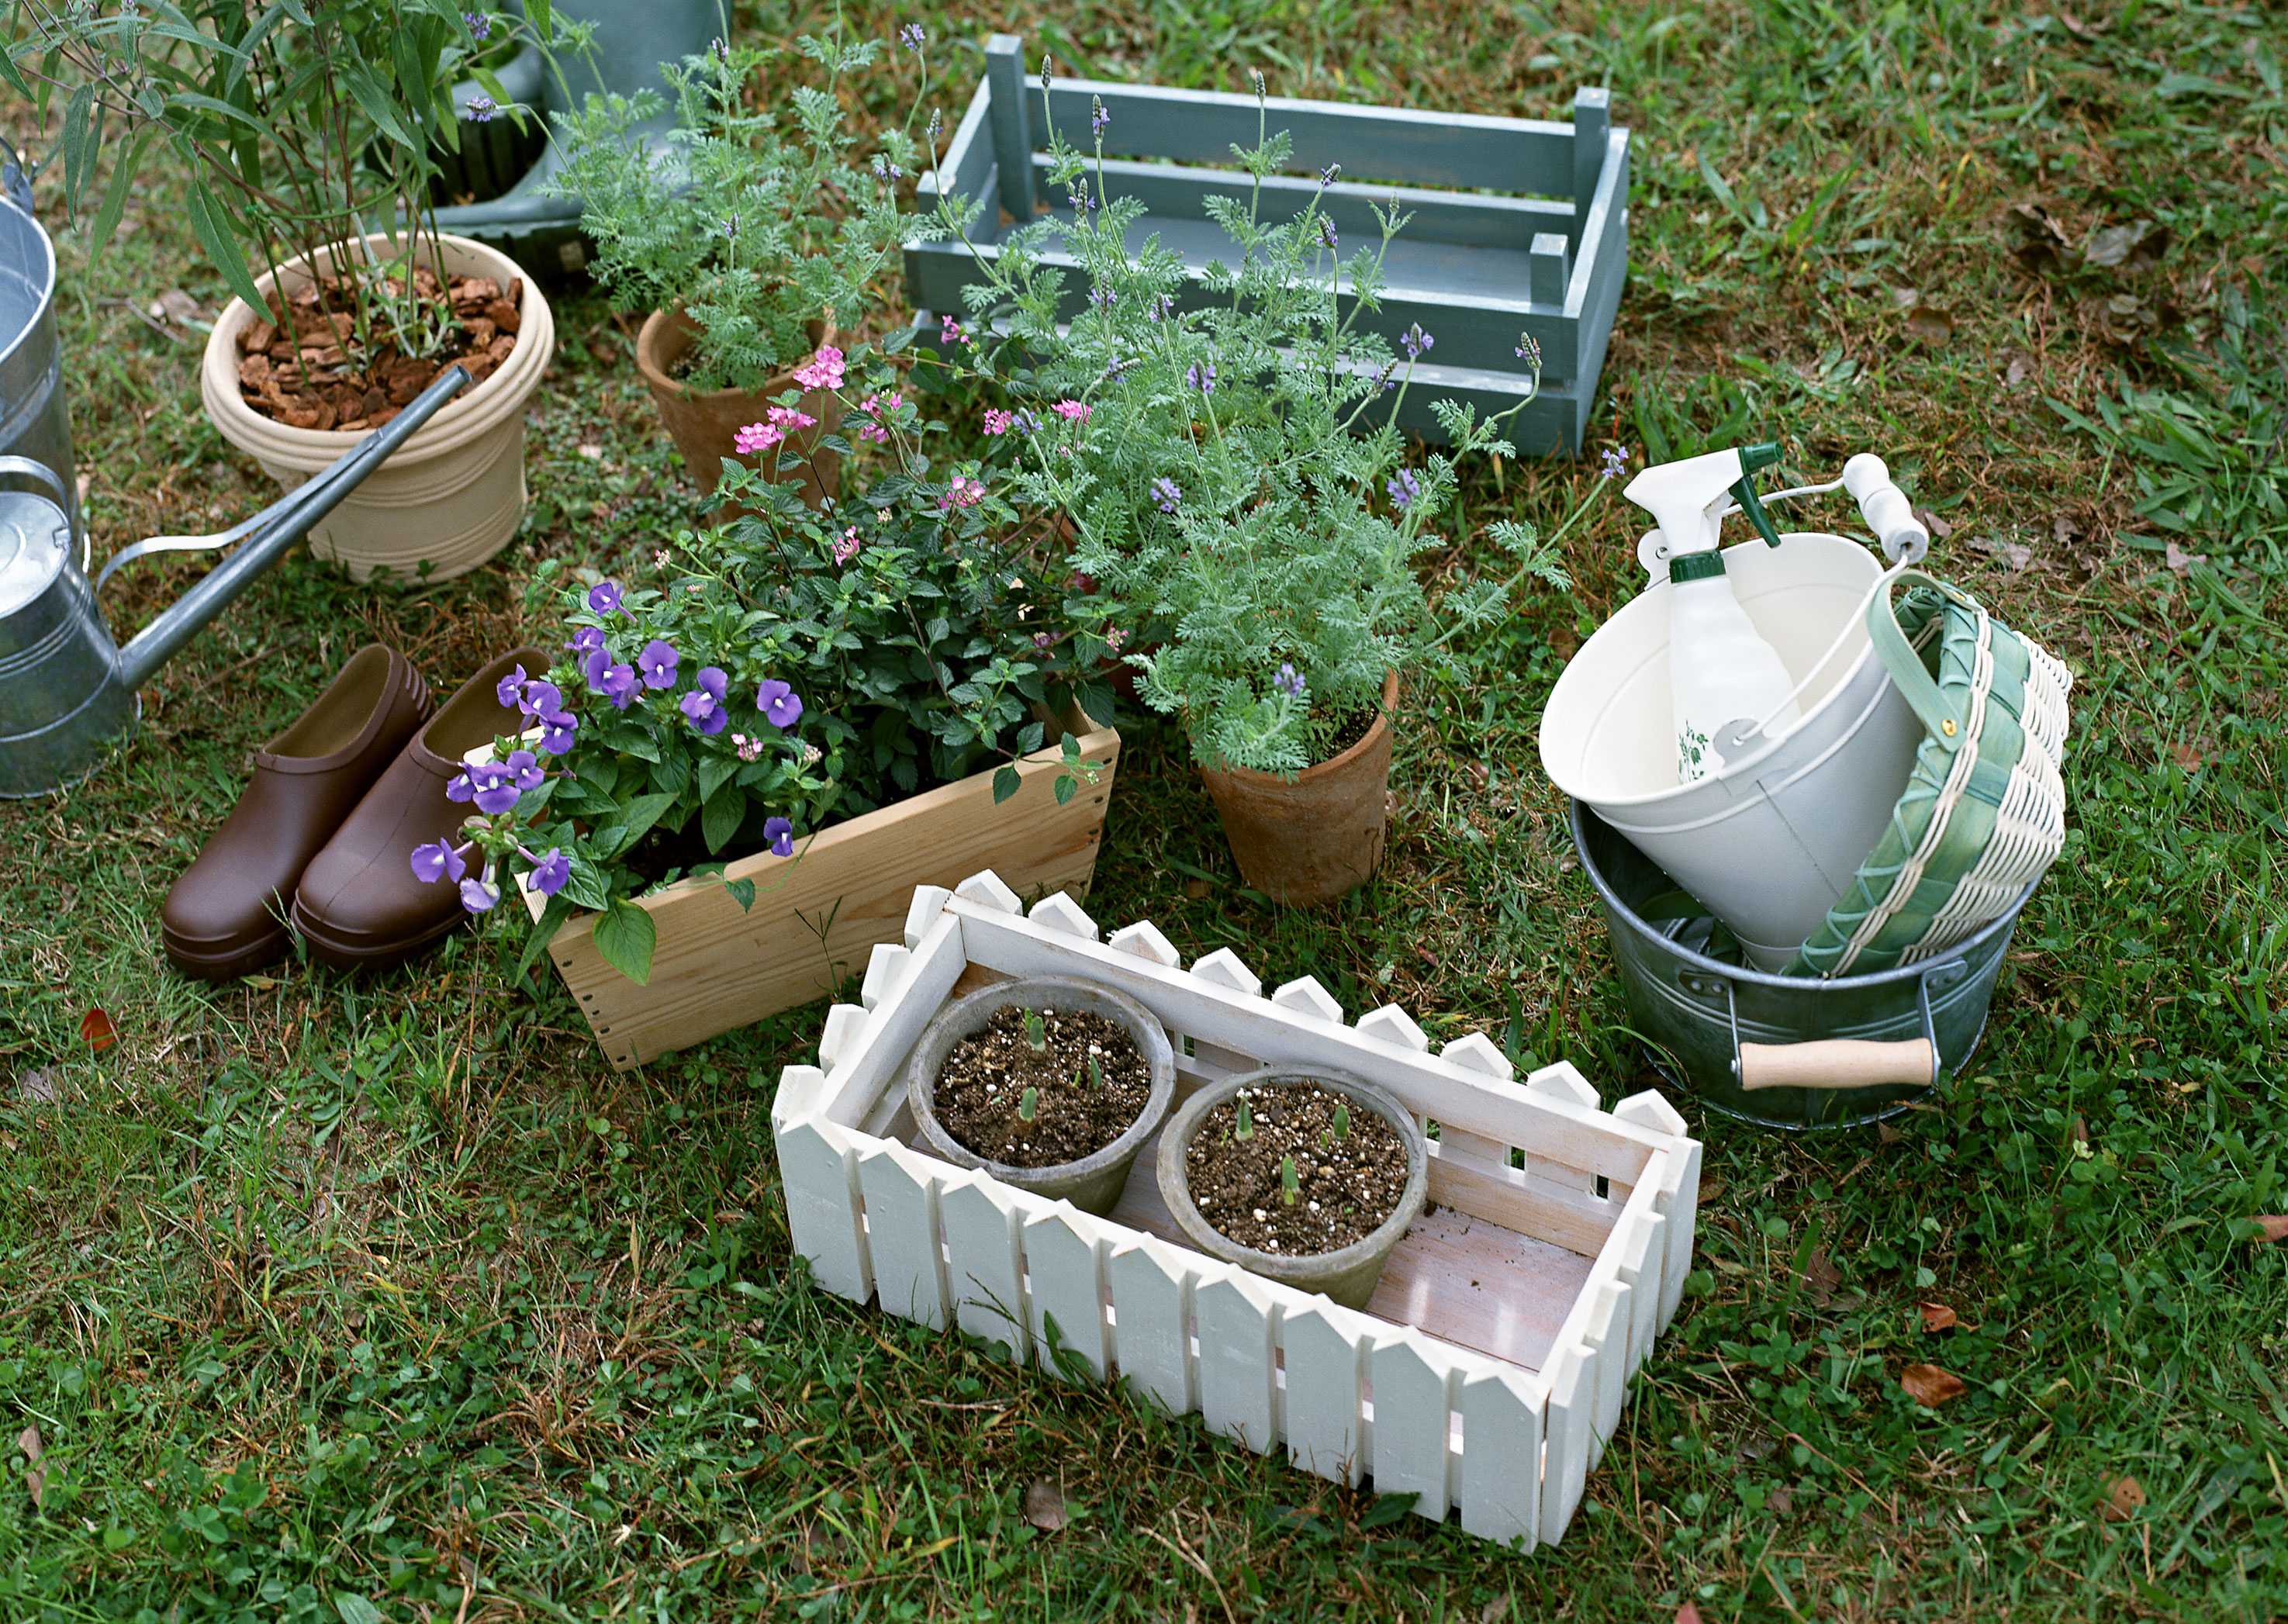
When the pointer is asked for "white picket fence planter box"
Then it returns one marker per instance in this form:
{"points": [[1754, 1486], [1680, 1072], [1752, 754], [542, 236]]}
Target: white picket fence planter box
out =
{"points": [[1517, 225], [1491, 1367]]}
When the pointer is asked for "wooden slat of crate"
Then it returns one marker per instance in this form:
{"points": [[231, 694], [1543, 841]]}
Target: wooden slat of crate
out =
{"points": [[717, 967]]}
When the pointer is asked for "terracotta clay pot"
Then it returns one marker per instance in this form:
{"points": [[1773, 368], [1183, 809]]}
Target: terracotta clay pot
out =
{"points": [[705, 425], [1318, 837]]}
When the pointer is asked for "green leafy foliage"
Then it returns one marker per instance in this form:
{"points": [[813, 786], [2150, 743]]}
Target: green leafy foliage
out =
{"points": [[755, 232], [1215, 457], [302, 125]]}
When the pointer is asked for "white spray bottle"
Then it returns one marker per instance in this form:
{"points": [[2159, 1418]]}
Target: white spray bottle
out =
{"points": [[1720, 669]]}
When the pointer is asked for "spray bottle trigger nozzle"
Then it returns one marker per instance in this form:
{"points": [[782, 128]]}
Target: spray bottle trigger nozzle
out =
{"points": [[1744, 493]]}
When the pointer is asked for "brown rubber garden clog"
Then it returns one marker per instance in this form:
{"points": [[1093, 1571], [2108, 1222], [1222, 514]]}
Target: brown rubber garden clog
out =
{"points": [[360, 904], [225, 915]]}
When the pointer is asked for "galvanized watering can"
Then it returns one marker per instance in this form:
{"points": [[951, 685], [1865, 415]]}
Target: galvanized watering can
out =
{"points": [[64, 688]]}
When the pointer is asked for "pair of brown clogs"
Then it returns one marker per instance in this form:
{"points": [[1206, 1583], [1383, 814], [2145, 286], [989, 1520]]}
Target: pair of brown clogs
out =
{"points": [[324, 834]]}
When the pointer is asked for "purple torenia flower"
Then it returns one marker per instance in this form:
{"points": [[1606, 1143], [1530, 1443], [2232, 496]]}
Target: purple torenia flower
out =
{"points": [[461, 786], [604, 598], [618, 685], [657, 663], [548, 873], [777, 701], [1404, 490], [1289, 681], [497, 789], [524, 770], [586, 640], [704, 703], [597, 662], [779, 833], [557, 732], [541, 699], [436, 862], [477, 894], [512, 689], [1165, 492]]}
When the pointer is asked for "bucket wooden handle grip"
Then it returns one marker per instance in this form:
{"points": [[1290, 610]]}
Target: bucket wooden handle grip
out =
{"points": [[1838, 1063]]}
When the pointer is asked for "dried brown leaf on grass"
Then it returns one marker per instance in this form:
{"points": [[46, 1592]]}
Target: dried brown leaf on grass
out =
{"points": [[1688, 1615], [2125, 1496], [1819, 1278], [1044, 1506], [1937, 1317], [2181, 561], [1927, 1385], [2275, 1228], [96, 1028], [1932, 326], [35, 1479]]}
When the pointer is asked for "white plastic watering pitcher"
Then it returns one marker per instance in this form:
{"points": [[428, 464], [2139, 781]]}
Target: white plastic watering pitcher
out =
{"points": [[1771, 838]]}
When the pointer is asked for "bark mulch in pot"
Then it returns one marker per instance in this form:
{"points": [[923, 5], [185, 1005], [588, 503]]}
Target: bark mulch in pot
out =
{"points": [[1346, 1186], [311, 374], [982, 1086]]}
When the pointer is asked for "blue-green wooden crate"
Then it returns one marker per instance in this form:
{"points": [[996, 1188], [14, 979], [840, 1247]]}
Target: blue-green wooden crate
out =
{"points": [[1519, 226]]}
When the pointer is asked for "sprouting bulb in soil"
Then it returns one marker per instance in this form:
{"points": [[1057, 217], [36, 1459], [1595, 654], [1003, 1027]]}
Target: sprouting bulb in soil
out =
{"points": [[1342, 1128], [1095, 1073], [1029, 1107], [1290, 1187], [1036, 1035], [1245, 1129]]}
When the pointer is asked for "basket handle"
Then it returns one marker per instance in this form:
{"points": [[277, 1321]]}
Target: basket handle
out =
{"points": [[1838, 1063], [1899, 658]]}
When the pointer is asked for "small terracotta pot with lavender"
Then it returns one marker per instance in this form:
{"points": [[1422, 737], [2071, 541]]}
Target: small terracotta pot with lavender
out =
{"points": [[1318, 835], [706, 423]]}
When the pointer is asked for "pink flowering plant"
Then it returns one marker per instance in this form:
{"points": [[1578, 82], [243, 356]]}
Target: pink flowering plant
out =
{"points": [[780, 673], [939, 615]]}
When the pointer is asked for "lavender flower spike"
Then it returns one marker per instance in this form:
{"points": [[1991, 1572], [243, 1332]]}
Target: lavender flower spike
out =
{"points": [[1404, 490], [1289, 681], [1166, 493]]}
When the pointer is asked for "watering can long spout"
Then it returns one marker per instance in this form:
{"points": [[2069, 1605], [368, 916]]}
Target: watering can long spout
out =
{"points": [[264, 537]]}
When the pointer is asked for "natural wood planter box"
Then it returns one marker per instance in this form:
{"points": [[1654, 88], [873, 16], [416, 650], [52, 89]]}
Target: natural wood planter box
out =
{"points": [[1491, 1365], [816, 913], [1519, 224]]}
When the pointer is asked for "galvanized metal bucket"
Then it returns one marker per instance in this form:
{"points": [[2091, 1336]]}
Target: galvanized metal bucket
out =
{"points": [[33, 420], [1785, 1051]]}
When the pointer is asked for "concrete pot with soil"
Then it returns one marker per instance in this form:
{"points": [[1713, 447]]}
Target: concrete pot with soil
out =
{"points": [[950, 1083], [452, 496], [706, 423], [1313, 837], [1320, 1127]]}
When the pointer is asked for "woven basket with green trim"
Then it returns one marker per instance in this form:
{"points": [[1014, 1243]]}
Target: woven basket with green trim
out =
{"points": [[1984, 810]]}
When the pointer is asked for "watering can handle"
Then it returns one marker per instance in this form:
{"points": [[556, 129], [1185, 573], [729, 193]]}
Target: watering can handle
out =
{"points": [[39, 471]]}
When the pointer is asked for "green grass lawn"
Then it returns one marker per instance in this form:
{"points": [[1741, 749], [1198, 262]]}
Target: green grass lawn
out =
{"points": [[340, 1299]]}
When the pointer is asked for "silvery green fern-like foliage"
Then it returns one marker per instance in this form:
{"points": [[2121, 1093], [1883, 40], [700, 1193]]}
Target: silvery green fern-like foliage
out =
{"points": [[1232, 503], [755, 232]]}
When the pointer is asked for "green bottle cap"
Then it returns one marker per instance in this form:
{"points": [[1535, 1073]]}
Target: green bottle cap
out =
{"points": [[1694, 567], [1753, 458]]}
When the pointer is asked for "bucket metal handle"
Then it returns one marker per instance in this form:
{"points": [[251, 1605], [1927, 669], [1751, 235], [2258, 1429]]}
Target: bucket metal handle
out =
{"points": [[1836, 1063]]}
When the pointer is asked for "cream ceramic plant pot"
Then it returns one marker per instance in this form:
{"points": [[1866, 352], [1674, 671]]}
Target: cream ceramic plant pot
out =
{"points": [[453, 495]]}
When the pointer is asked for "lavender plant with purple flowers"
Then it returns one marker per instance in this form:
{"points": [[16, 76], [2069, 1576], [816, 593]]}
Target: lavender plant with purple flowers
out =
{"points": [[1240, 497]]}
